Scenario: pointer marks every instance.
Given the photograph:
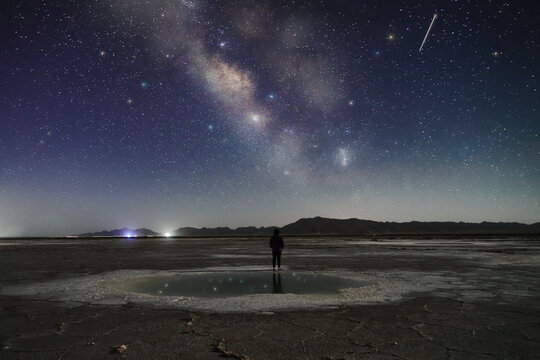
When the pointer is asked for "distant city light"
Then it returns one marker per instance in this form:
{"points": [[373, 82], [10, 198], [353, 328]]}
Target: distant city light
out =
{"points": [[128, 235], [168, 234]]}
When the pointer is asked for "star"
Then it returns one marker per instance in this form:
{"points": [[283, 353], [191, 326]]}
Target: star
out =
{"points": [[256, 118]]}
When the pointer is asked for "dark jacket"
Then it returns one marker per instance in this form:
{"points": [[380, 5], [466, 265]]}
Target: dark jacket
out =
{"points": [[276, 243]]}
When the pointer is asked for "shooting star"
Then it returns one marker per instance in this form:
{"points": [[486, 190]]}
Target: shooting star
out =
{"points": [[428, 30]]}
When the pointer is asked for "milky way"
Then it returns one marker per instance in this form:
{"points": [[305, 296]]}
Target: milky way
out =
{"points": [[173, 113]]}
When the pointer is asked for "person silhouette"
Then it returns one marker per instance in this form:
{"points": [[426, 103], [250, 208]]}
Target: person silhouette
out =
{"points": [[277, 288], [277, 245]]}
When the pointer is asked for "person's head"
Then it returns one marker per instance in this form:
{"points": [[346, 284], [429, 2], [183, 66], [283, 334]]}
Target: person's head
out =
{"points": [[276, 231]]}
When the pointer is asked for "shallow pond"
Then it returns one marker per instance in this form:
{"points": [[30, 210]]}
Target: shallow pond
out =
{"points": [[226, 284]]}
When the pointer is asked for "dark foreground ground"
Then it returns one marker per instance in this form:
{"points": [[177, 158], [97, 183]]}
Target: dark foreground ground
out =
{"points": [[497, 315]]}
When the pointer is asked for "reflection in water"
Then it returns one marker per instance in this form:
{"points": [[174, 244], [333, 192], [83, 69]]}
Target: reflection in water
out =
{"points": [[277, 288], [218, 284]]}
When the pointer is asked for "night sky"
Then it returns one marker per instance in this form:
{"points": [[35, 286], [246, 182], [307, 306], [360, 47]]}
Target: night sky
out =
{"points": [[163, 114]]}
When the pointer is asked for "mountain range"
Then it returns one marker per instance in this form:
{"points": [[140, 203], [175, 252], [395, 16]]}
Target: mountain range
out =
{"points": [[327, 226]]}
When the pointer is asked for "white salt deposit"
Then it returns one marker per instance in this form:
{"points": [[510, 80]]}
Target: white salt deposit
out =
{"points": [[106, 289]]}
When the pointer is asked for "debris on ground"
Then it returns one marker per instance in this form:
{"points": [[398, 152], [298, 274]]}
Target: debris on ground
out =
{"points": [[189, 324], [6, 347], [371, 344], [221, 348], [119, 349]]}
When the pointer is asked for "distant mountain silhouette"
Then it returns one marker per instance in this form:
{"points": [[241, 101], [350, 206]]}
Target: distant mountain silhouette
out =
{"points": [[320, 225], [122, 233], [326, 226], [224, 231]]}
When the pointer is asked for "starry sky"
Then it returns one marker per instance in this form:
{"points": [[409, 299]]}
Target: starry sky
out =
{"points": [[161, 114]]}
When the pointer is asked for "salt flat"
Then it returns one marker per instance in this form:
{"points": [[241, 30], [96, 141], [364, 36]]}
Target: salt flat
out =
{"points": [[428, 297]]}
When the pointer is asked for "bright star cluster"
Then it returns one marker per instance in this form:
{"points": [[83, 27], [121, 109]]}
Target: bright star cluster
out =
{"points": [[240, 112]]}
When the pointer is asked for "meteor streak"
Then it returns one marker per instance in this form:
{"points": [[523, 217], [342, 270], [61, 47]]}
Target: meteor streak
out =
{"points": [[427, 33]]}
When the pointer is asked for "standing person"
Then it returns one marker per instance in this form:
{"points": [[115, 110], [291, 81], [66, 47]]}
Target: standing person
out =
{"points": [[277, 245]]}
